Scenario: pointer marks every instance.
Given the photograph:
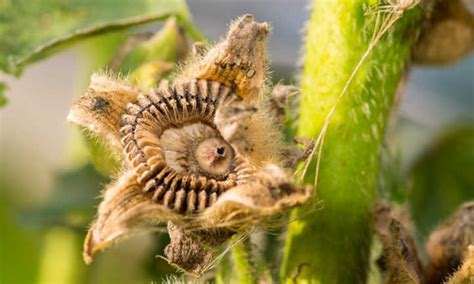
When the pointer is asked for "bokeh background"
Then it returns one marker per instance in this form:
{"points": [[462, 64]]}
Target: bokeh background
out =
{"points": [[35, 142]]}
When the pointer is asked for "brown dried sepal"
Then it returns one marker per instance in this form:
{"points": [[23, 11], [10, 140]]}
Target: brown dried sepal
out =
{"points": [[447, 246], [269, 194], [193, 251], [399, 262], [465, 274], [238, 61], [251, 130], [100, 109], [448, 35], [123, 210]]}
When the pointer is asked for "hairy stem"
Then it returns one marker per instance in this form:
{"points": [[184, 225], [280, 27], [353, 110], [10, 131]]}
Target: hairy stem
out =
{"points": [[243, 261], [351, 72]]}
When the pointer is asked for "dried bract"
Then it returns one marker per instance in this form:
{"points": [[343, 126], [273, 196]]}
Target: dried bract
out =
{"points": [[239, 61], [101, 107], [465, 274], [203, 153]]}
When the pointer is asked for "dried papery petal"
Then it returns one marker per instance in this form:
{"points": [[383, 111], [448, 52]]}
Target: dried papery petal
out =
{"points": [[251, 129], [124, 210], [101, 107], [400, 261], [238, 61], [465, 274], [446, 246], [269, 193]]}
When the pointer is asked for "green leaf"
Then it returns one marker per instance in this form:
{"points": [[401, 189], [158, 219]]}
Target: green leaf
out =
{"points": [[151, 60], [169, 44], [32, 29]]}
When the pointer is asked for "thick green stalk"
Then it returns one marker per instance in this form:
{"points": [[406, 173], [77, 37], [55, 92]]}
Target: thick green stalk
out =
{"points": [[243, 261], [331, 245], [223, 271]]}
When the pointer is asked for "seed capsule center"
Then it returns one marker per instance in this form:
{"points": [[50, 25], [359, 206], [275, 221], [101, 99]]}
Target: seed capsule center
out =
{"points": [[214, 156]]}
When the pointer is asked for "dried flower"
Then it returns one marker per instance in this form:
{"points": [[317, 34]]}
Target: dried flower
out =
{"points": [[204, 154]]}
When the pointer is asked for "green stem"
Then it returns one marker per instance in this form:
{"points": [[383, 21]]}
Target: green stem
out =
{"points": [[242, 257], [332, 245], [224, 271]]}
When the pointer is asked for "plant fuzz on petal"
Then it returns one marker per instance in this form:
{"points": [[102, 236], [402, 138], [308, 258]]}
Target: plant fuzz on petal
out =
{"points": [[123, 210], [100, 109]]}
